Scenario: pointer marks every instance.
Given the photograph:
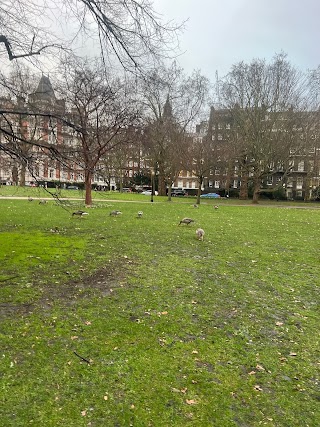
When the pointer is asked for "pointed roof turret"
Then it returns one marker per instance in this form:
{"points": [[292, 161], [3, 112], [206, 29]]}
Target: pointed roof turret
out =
{"points": [[44, 90], [167, 109], [45, 98]]}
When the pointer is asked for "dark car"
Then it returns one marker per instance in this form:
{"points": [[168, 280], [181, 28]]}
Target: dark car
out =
{"points": [[176, 193], [72, 187]]}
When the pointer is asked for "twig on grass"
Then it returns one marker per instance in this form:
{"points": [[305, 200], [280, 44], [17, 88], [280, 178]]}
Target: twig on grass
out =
{"points": [[82, 358]]}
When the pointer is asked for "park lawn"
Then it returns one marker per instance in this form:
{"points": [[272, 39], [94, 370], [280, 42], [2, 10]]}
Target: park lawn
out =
{"points": [[126, 321]]}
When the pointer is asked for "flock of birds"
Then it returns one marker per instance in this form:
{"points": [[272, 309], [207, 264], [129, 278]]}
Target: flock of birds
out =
{"points": [[80, 213], [199, 231]]}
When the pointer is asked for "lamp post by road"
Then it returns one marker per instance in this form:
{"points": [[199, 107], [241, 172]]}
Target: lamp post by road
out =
{"points": [[152, 185]]}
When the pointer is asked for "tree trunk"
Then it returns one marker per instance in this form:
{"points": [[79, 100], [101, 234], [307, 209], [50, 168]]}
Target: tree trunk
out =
{"points": [[243, 195], [307, 187], [15, 175], [169, 192], [161, 182], [22, 181], [227, 185], [120, 180], [200, 180], [256, 190], [88, 189]]}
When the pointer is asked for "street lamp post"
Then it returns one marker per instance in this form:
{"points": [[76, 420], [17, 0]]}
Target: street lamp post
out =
{"points": [[152, 185]]}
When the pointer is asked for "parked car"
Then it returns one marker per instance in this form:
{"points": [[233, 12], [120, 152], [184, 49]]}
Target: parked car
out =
{"points": [[211, 196], [176, 193], [148, 193], [72, 187]]}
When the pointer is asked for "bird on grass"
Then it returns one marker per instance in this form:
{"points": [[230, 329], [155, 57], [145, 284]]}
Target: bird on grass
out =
{"points": [[43, 202], [200, 233], [216, 207], [195, 205], [115, 213], [140, 214], [186, 221], [80, 213], [30, 199]]}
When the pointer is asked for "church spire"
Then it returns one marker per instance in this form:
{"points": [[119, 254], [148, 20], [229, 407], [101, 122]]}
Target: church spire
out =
{"points": [[167, 109]]}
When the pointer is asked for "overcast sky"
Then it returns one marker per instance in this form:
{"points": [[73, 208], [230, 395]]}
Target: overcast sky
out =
{"points": [[221, 33]]}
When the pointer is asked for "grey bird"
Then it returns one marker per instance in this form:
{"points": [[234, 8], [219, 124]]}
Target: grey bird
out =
{"points": [[80, 213], [186, 221], [200, 234], [115, 213]]}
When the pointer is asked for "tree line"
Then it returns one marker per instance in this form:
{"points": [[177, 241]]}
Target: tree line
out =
{"points": [[132, 93]]}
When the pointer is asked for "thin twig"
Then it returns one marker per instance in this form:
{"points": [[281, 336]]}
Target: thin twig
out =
{"points": [[82, 358]]}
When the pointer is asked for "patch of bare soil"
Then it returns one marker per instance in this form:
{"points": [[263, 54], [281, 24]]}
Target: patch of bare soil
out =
{"points": [[99, 284]]}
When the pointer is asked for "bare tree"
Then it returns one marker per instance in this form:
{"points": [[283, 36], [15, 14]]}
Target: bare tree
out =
{"points": [[103, 111], [20, 82], [124, 158], [173, 102], [200, 158], [263, 99], [131, 31]]}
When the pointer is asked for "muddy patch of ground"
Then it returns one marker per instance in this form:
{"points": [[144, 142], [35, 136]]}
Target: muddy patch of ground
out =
{"points": [[101, 283]]}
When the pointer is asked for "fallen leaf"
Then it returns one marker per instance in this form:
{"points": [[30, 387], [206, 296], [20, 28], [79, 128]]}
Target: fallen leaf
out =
{"points": [[194, 352], [252, 373], [74, 337], [258, 388], [260, 368], [191, 402], [279, 323], [292, 354], [105, 397], [83, 413]]}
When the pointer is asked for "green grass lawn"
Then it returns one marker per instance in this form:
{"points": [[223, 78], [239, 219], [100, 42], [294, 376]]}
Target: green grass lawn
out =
{"points": [[126, 321]]}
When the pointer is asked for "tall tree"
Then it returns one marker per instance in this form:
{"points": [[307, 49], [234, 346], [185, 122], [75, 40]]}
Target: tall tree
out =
{"points": [[172, 103], [103, 111], [263, 99], [199, 157]]}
